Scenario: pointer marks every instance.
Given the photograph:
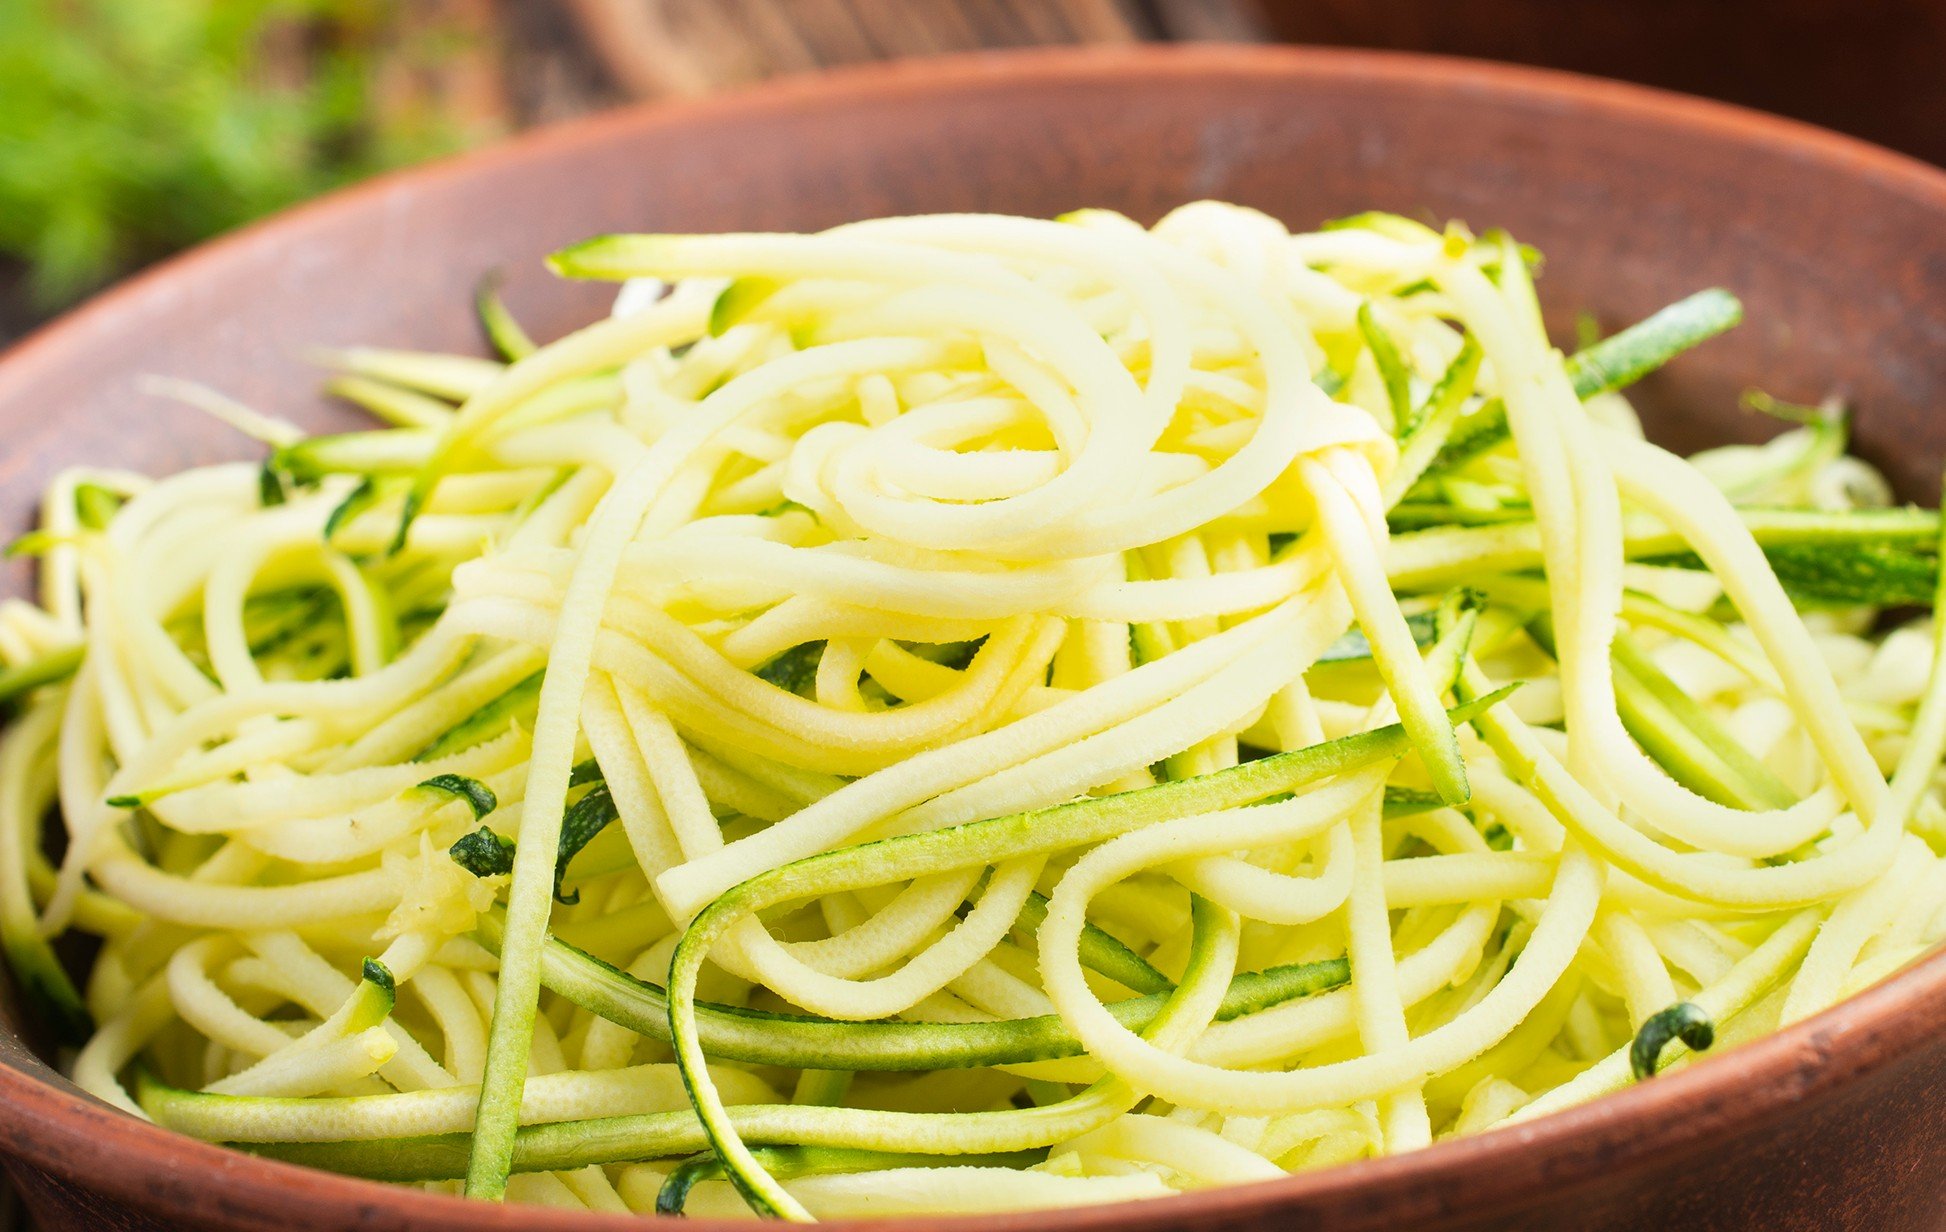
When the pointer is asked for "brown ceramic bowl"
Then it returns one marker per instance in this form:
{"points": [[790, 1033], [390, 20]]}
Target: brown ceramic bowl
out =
{"points": [[1837, 248]]}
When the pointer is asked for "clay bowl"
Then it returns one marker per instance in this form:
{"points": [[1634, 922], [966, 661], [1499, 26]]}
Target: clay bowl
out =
{"points": [[1837, 248]]}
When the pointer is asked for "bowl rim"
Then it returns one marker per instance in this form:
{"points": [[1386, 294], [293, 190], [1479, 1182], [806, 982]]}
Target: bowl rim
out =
{"points": [[85, 1142]]}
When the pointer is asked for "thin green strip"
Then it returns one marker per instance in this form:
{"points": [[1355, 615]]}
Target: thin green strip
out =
{"points": [[502, 330], [1391, 369], [51, 668], [486, 722], [1624, 358], [730, 1033], [786, 1162]]}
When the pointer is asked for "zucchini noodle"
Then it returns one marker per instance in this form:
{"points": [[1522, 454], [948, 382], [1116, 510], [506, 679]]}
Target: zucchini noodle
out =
{"points": [[966, 713]]}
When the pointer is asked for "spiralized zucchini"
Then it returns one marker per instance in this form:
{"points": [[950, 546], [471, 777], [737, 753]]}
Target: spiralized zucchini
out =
{"points": [[964, 713]]}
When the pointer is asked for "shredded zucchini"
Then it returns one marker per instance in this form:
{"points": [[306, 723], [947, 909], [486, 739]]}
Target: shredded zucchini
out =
{"points": [[967, 713]]}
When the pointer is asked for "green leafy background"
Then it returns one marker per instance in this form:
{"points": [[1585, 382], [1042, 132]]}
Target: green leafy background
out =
{"points": [[131, 128]]}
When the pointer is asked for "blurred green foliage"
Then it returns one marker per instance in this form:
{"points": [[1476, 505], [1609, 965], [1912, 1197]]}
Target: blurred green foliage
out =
{"points": [[130, 128]]}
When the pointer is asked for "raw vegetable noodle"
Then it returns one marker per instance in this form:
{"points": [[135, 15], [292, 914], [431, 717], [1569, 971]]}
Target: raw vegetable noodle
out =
{"points": [[965, 713]]}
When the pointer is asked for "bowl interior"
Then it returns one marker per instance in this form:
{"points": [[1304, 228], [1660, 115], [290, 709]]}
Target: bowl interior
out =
{"points": [[1838, 251]]}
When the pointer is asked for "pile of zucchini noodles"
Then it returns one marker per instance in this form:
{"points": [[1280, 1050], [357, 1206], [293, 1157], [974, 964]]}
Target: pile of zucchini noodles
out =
{"points": [[966, 712]]}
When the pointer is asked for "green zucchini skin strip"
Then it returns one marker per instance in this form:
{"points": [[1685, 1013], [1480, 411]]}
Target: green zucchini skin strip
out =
{"points": [[785, 1162], [51, 668], [483, 853], [484, 722], [1454, 387], [758, 1037], [583, 819], [1405, 802], [1433, 424], [561, 1146], [502, 330], [95, 505], [1471, 437], [275, 620], [1738, 779], [1626, 357], [1868, 574], [1617, 361], [1678, 734], [398, 1160], [374, 999], [270, 481], [1391, 368], [487, 854], [738, 301], [478, 796], [1086, 821], [1685, 1020], [1101, 951], [359, 499], [1511, 547], [384, 451]]}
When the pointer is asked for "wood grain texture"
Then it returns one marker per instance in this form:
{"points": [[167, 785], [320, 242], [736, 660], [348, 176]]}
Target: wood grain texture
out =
{"points": [[1839, 251], [685, 48]]}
